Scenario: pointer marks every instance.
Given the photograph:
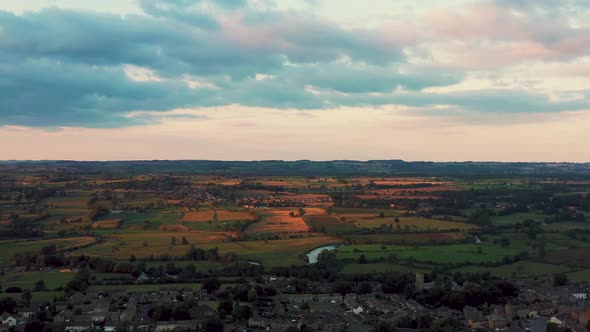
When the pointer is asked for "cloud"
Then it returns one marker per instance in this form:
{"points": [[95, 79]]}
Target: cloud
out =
{"points": [[500, 33], [63, 67]]}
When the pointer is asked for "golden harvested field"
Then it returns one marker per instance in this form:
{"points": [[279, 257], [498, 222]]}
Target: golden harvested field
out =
{"points": [[102, 224], [224, 215], [278, 221], [218, 215], [199, 216]]}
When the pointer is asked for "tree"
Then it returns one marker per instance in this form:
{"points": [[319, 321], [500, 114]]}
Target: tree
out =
{"points": [[225, 308], [8, 304], [381, 214], [552, 327], [173, 241], [40, 286], [242, 312], [211, 285], [252, 295], [504, 242], [34, 325], [122, 327], [213, 325], [364, 288], [362, 259], [132, 258], [184, 241], [26, 297], [384, 326], [560, 279], [341, 286]]}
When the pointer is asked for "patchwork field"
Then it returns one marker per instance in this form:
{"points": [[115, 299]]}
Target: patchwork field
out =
{"points": [[147, 243], [109, 223], [278, 221]]}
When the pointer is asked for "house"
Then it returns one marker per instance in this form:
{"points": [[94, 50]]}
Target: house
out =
{"points": [[301, 298], [63, 316], [496, 321], [188, 325], [358, 310], [8, 319], [77, 299], [331, 298], [79, 326], [26, 313], [473, 317], [166, 326]]}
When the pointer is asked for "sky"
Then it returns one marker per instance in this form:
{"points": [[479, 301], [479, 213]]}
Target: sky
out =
{"points": [[455, 80]]}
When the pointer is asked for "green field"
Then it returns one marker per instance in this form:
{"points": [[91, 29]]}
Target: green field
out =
{"points": [[524, 269], [148, 288], [379, 268], [411, 238], [517, 218], [203, 266], [38, 297], [438, 255], [331, 224], [123, 244], [9, 248], [27, 280], [413, 223], [156, 218]]}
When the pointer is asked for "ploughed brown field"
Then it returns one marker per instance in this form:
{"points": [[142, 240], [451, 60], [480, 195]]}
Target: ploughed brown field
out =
{"points": [[199, 216], [111, 223], [278, 221]]}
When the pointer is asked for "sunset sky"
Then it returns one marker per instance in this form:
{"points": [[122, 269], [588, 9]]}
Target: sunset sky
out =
{"points": [[502, 80]]}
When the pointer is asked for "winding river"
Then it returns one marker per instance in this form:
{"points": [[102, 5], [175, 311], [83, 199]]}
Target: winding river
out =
{"points": [[312, 256]]}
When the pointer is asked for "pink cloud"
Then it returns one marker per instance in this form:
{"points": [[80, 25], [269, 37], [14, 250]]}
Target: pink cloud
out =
{"points": [[481, 36]]}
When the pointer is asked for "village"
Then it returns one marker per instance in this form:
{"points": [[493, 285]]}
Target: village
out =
{"points": [[539, 306]]}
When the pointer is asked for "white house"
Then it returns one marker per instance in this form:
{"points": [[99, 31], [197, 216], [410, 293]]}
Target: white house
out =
{"points": [[8, 319]]}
